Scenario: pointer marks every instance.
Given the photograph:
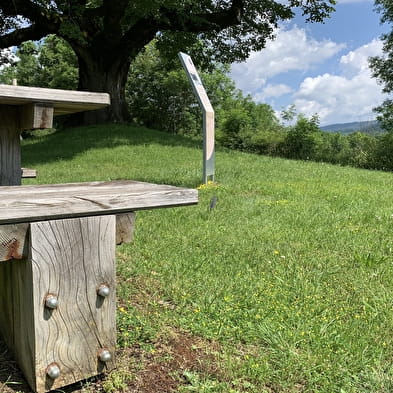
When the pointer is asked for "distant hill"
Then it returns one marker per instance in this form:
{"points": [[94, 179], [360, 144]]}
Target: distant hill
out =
{"points": [[367, 127]]}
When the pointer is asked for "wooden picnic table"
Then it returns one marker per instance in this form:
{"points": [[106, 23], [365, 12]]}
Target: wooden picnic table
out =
{"points": [[57, 249]]}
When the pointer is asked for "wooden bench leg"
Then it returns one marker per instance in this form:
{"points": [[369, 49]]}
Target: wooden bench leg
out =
{"points": [[58, 307], [10, 156]]}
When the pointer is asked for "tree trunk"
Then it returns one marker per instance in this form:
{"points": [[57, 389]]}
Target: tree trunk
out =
{"points": [[108, 74]]}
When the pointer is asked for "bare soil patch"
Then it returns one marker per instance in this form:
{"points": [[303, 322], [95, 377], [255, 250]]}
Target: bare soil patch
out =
{"points": [[157, 371]]}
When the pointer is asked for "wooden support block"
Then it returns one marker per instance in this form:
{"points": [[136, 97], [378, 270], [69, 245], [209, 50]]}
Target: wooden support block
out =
{"points": [[36, 115], [15, 241], [125, 225], [28, 173], [69, 259]]}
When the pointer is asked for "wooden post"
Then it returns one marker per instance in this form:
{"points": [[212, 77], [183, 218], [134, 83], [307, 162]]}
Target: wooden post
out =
{"points": [[69, 259], [10, 157]]}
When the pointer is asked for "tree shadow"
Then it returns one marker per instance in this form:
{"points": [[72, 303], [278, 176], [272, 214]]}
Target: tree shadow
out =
{"points": [[66, 144]]}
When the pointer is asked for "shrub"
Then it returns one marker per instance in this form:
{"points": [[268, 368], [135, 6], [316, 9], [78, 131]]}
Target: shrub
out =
{"points": [[303, 140]]}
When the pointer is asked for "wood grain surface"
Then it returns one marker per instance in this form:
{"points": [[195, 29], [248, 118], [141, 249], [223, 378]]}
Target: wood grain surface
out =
{"points": [[36, 116], [63, 101], [15, 239], [70, 259], [17, 314], [10, 156], [44, 202], [125, 225]]}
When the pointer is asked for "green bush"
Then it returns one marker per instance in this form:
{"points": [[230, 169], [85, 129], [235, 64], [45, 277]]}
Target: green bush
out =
{"points": [[234, 128], [334, 148], [384, 152], [362, 150], [303, 140]]}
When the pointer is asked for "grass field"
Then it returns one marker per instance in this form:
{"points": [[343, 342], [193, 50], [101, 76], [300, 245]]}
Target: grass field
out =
{"points": [[286, 285]]}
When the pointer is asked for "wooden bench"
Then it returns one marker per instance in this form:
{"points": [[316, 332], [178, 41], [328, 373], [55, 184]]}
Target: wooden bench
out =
{"points": [[57, 250]]}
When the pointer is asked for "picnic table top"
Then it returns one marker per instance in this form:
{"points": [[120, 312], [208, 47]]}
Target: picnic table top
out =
{"points": [[63, 101], [57, 201]]}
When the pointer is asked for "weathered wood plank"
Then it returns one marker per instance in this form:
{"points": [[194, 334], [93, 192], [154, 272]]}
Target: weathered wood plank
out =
{"points": [[64, 101], [15, 242], [71, 259], [10, 156], [44, 202], [28, 173]]}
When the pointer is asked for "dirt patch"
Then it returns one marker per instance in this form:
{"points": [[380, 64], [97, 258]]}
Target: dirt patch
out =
{"points": [[158, 370], [163, 369]]}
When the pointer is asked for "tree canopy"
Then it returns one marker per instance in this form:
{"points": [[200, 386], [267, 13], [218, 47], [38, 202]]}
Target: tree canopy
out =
{"points": [[106, 35], [382, 66]]}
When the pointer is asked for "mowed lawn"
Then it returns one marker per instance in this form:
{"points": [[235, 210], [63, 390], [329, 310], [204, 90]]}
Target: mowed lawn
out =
{"points": [[286, 285]]}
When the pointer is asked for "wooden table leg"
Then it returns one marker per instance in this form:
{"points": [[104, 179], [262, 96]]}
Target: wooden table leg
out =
{"points": [[10, 156], [70, 262]]}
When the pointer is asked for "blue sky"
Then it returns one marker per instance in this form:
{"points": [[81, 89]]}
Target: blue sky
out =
{"points": [[321, 68]]}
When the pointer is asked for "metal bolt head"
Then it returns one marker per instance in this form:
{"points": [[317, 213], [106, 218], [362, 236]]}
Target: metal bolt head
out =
{"points": [[103, 290], [53, 371], [51, 301], [104, 355]]}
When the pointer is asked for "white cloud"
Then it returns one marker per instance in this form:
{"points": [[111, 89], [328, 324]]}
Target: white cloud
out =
{"points": [[291, 50], [353, 1], [357, 60], [273, 90], [350, 96], [349, 93]]}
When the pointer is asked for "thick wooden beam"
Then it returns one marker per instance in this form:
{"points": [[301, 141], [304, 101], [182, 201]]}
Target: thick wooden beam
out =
{"points": [[71, 260], [45, 202], [15, 243]]}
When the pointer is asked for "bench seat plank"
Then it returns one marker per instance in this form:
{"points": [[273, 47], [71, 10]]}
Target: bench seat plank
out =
{"points": [[57, 201], [63, 101]]}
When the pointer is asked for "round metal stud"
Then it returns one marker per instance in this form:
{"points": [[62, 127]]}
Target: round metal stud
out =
{"points": [[51, 301], [104, 355], [53, 371], [103, 290]]}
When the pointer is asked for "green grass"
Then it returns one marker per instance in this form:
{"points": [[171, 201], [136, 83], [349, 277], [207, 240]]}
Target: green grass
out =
{"points": [[290, 275]]}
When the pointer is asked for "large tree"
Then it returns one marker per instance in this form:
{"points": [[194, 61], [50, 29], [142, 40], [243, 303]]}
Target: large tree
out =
{"points": [[382, 66], [106, 35]]}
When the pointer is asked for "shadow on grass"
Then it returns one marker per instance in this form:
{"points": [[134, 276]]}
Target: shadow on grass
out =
{"points": [[65, 144]]}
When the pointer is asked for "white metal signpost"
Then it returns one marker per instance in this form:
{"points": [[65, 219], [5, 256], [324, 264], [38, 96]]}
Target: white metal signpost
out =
{"points": [[208, 116]]}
